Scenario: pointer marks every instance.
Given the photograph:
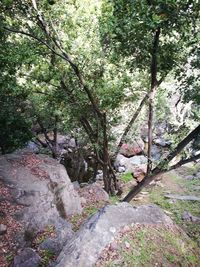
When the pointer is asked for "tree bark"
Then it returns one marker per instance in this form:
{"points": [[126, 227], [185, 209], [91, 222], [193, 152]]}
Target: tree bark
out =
{"points": [[55, 138], [154, 85]]}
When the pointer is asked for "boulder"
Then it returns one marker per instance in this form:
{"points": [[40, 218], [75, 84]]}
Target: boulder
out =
{"points": [[138, 160], [160, 141], [52, 245], [156, 152], [130, 164], [27, 258], [189, 177], [99, 175], [132, 149], [99, 230], [93, 193], [42, 189], [187, 216], [72, 143]]}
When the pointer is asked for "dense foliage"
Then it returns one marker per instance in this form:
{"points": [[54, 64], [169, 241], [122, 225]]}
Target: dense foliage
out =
{"points": [[71, 65]]}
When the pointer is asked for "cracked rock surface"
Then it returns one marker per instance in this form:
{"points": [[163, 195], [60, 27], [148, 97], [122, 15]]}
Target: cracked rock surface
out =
{"points": [[86, 245]]}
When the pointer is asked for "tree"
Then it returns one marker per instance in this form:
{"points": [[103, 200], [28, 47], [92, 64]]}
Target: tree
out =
{"points": [[87, 101], [152, 37]]}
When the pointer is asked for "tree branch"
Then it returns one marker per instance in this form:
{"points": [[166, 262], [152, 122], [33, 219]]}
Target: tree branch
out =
{"points": [[128, 127]]}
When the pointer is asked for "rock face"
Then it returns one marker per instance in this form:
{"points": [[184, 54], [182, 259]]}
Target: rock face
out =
{"points": [[130, 164], [42, 188], [87, 244], [93, 193], [27, 258], [135, 148]]}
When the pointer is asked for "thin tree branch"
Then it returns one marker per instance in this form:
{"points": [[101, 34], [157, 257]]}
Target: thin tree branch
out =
{"points": [[128, 127], [37, 39]]}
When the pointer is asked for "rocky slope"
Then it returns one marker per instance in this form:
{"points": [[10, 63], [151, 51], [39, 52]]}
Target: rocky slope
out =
{"points": [[36, 192]]}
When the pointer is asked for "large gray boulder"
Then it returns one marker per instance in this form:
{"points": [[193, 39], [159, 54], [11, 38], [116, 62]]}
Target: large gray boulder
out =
{"points": [[42, 189], [87, 244]]}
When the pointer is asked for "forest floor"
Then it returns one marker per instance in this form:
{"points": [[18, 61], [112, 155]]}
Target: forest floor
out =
{"points": [[162, 246]]}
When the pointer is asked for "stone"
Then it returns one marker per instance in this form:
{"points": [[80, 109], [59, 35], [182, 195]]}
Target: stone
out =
{"points": [[187, 216], [99, 176], [156, 153], [98, 231], [3, 229], [197, 188], [42, 188], [27, 258], [76, 185], [132, 149], [189, 177], [139, 171], [127, 245], [178, 197], [53, 245], [153, 182], [121, 169], [72, 143], [130, 164], [95, 192], [160, 141], [138, 160], [32, 146]]}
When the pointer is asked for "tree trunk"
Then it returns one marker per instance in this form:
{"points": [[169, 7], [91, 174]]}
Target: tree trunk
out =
{"points": [[106, 176], [3, 151], [154, 85], [55, 138]]}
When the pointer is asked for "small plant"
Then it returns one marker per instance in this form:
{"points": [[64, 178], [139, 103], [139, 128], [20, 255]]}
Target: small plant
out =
{"points": [[48, 231], [76, 220], [170, 258], [47, 256], [127, 177], [9, 257], [114, 199]]}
